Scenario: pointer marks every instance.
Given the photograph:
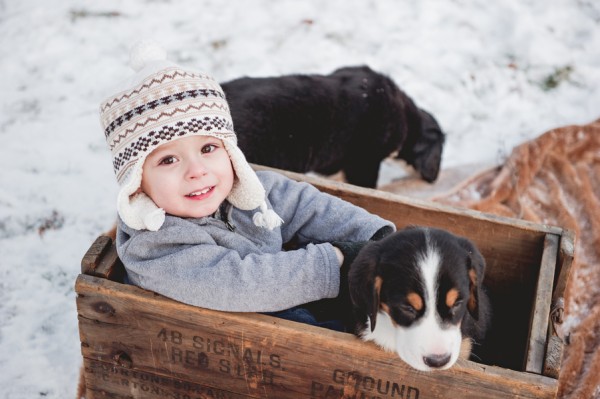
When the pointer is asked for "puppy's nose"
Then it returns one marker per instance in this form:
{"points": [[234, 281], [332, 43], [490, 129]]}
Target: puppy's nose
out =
{"points": [[436, 361]]}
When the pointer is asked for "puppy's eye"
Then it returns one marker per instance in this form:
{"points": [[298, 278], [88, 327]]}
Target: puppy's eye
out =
{"points": [[408, 310], [456, 307]]}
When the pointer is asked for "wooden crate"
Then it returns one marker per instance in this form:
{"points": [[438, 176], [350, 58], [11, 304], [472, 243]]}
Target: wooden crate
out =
{"points": [[139, 344]]}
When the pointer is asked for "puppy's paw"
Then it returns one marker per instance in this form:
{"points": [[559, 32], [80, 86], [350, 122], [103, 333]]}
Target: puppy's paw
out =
{"points": [[465, 349]]}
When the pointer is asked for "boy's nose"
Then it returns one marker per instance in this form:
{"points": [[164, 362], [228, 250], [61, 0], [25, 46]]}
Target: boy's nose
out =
{"points": [[195, 168]]}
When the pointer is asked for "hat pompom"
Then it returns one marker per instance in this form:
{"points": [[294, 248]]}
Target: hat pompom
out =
{"points": [[144, 52], [267, 218]]}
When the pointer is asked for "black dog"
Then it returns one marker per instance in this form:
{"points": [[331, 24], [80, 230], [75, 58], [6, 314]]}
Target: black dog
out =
{"points": [[349, 120]]}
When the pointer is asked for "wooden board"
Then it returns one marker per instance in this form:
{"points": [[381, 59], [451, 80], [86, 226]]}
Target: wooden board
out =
{"points": [[538, 330], [139, 343]]}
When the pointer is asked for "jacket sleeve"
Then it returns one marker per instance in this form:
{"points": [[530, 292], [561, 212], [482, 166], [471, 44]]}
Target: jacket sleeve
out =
{"points": [[313, 216], [211, 276]]}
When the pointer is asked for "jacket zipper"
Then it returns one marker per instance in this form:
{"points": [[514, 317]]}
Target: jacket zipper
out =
{"points": [[224, 215], [230, 226]]}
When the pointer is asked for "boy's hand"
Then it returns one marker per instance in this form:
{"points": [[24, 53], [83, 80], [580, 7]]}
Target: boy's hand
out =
{"points": [[339, 255], [349, 251]]}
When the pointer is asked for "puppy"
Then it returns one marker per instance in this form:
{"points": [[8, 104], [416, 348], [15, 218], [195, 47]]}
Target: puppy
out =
{"points": [[418, 292], [349, 120]]}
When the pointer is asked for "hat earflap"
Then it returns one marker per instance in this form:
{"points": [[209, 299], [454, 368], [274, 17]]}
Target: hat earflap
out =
{"points": [[138, 211], [247, 192]]}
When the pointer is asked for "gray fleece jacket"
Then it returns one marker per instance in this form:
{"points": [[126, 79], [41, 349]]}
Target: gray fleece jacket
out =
{"points": [[225, 262]]}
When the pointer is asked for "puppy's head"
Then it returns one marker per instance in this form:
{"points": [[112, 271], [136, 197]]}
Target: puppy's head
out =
{"points": [[416, 286], [423, 148]]}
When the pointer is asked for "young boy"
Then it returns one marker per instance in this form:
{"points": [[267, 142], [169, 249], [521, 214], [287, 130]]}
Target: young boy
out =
{"points": [[196, 223]]}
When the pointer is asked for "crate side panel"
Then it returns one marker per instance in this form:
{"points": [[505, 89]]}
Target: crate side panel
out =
{"points": [[514, 252], [260, 356], [538, 330], [109, 380]]}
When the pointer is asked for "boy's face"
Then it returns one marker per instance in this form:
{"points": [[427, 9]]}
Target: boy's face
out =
{"points": [[188, 177]]}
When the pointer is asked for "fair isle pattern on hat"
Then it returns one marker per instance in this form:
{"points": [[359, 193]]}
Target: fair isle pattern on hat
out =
{"points": [[177, 73], [154, 104], [165, 102], [171, 103], [149, 93], [166, 133]]}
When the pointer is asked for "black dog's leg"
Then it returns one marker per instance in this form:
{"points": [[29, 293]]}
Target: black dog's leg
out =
{"points": [[362, 171]]}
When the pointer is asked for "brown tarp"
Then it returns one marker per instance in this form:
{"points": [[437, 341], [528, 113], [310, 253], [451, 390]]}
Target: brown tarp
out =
{"points": [[555, 180]]}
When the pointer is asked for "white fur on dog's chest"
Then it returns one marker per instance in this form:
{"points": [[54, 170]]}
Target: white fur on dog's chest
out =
{"points": [[384, 334]]}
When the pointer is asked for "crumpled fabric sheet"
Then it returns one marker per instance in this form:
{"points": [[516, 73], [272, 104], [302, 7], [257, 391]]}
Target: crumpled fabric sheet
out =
{"points": [[555, 179]]}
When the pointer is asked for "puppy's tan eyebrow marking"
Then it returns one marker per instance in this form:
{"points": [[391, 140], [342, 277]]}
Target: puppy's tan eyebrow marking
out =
{"points": [[378, 283], [385, 308], [451, 297], [415, 301]]}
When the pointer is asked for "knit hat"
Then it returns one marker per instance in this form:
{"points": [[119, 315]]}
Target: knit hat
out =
{"points": [[164, 102]]}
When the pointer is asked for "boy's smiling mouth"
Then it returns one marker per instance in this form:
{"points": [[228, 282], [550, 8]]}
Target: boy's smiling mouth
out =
{"points": [[200, 193]]}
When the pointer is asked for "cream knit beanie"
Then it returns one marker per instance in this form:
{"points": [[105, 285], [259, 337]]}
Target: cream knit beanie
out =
{"points": [[164, 102]]}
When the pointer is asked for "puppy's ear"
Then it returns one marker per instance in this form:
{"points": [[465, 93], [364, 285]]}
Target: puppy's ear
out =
{"points": [[365, 285], [375, 302], [475, 270]]}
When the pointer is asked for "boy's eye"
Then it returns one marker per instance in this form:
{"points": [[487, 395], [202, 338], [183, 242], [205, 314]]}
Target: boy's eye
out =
{"points": [[167, 160], [208, 148]]}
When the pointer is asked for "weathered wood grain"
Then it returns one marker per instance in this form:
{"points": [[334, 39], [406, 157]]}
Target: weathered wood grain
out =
{"points": [[538, 330], [258, 356]]}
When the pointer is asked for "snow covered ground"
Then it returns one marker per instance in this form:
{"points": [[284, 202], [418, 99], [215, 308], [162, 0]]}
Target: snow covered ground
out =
{"points": [[493, 73]]}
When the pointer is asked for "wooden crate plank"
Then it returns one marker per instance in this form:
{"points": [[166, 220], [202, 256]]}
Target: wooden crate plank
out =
{"points": [[538, 331], [111, 267], [386, 202], [94, 254], [108, 380], [553, 356], [260, 356], [555, 346], [565, 260], [102, 260]]}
